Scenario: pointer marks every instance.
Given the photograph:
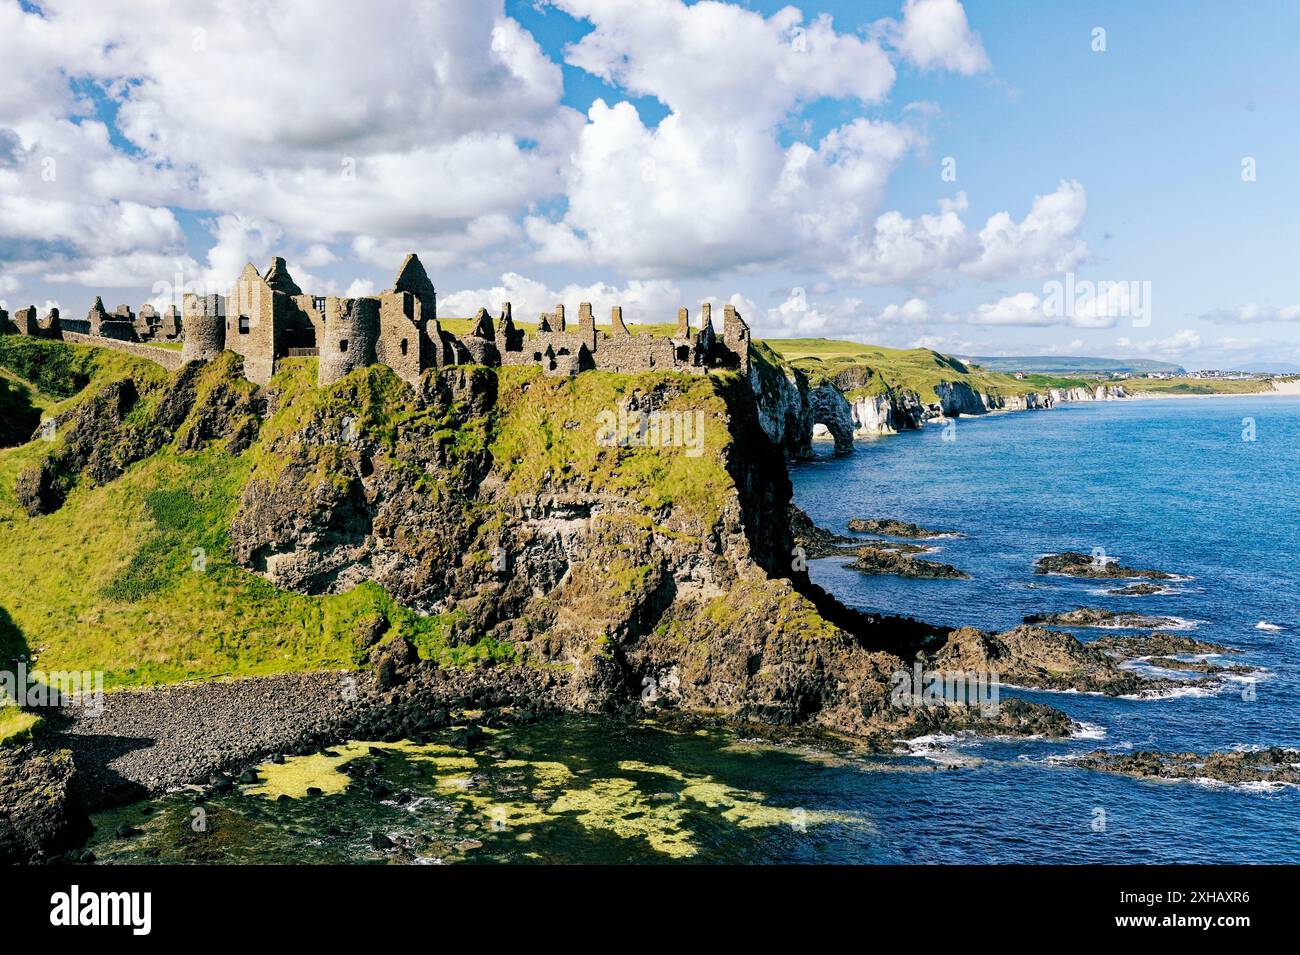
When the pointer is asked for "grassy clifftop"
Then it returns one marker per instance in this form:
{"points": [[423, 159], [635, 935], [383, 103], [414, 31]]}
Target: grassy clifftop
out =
{"points": [[133, 577], [873, 370]]}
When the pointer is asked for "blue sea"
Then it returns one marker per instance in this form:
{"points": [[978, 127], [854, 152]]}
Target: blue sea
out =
{"points": [[1169, 484]]}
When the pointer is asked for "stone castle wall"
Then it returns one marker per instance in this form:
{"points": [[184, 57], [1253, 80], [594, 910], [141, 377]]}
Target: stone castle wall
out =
{"points": [[267, 318], [169, 358]]}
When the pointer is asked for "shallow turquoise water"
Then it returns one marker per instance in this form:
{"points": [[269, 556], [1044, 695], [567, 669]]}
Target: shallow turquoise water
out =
{"points": [[1168, 484]]}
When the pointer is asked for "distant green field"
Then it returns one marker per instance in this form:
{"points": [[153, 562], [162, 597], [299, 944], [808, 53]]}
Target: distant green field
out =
{"points": [[1074, 366], [1194, 386], [1042, 382]]}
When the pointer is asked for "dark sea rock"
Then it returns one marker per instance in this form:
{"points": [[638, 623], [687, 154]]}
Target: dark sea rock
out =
{"points": [[1093, 617], [889, 527], [873, 560], [1074, 564], [40, 814], [1137, 590], [1273, 765], [1199, 666], [1038, 658], [816, 541], [1158, 643]]}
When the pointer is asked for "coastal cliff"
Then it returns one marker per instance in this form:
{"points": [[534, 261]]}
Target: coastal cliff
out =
{"points": [[844, 397], [483, 541], [484, 518]]}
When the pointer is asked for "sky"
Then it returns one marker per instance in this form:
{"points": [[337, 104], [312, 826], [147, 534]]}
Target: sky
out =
{"points": [[989, 178]]}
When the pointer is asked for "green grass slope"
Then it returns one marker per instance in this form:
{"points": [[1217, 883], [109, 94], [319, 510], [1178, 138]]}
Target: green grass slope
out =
{"points": [[873, 370], [135, 577]]}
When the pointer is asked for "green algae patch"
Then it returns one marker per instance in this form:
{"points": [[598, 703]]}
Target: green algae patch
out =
{"points": [[297, 774], [648, 804], [324, 770], [562, 791]]}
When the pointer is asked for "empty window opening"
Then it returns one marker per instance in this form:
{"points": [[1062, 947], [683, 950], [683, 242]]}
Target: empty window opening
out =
{"points": [[343, 344]]}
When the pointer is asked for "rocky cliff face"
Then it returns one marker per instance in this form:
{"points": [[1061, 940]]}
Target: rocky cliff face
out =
{"points": [[39, 815], [1099, 393], [831, 410], [790, 408], [782, 404], [959, 398], [641, 573], [492, 505], [888, 413]]}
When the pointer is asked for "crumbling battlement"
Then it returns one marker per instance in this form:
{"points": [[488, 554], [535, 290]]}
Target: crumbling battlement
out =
{"points": [[267, 318], [124, 325]]}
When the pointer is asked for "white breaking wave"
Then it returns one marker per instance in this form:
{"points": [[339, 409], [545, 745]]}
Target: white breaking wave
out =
{"points": [[930, 745], [1087, 731], [1265, 625], [1255, 786], [1166, 623], [1176, 692]]}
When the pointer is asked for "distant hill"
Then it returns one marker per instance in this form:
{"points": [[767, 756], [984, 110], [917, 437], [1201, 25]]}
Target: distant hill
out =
{"points": [[1061, 365]]}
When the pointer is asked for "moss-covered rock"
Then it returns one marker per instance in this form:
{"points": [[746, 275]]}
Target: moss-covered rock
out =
{"points": [[39, 816]]}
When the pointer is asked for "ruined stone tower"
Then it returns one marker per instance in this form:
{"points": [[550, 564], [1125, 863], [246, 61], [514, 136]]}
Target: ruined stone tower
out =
{"points": [[735, 335], [205, 328], [350, 336], [586, 326]]}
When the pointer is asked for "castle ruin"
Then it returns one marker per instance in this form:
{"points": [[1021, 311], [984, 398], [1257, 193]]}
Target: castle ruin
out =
{"points": [[267, 318]]}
